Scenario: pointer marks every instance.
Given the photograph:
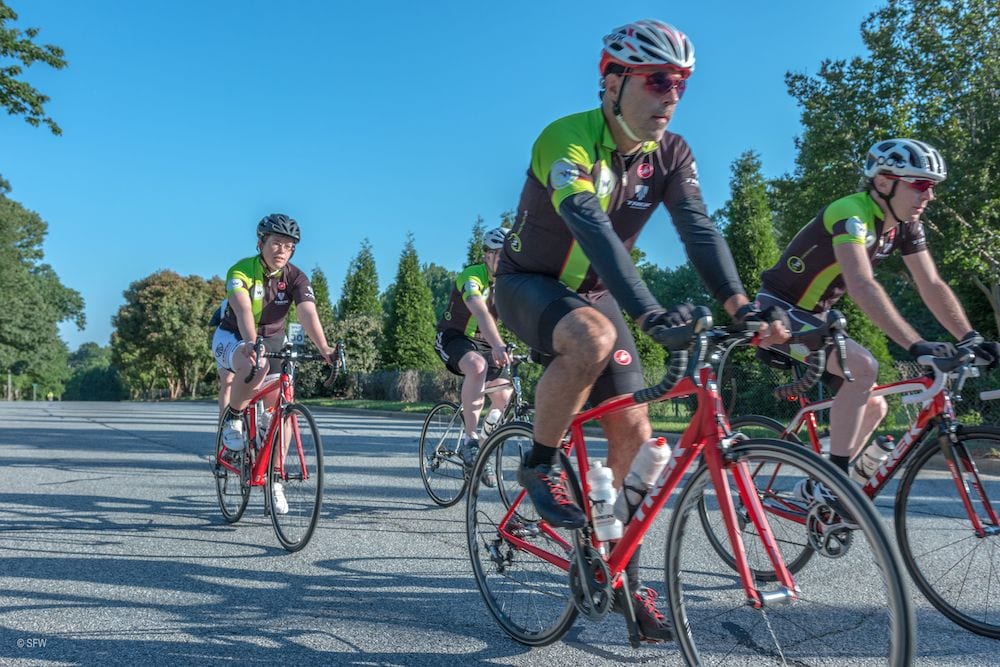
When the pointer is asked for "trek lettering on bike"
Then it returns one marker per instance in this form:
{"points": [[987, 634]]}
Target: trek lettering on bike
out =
{"points": [[885, 471]]}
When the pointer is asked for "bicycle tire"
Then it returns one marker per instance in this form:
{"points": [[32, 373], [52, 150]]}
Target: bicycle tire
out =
{"points": [[230, 490], [441, 469], [300, 476], [866, 582], [527, 596], [788, 532], [956, 571]]}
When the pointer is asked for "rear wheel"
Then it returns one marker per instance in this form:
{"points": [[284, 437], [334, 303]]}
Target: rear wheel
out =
{"points": [[958, 571], [295, 485], [529, 597], [441, 469], [849, 607], [232, 492]]}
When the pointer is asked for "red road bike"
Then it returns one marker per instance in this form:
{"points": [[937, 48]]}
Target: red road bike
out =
{"points": [[285, 456], [522, 565]]}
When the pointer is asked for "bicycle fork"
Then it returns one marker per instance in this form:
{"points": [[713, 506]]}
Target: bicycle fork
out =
{"points": [[964, 472]]}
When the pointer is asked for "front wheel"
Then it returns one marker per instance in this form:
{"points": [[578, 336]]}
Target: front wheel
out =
{"points": [[230, 488], [819, 621], [441, 469], [295, 485], [956, 569], [776, 491]]}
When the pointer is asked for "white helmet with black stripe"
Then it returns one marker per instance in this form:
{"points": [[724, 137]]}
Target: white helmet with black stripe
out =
{"points": [[648, 43], [905, 157], [493, 239]]}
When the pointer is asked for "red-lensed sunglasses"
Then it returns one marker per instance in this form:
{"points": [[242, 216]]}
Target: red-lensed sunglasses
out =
{"points": [[660, 83], [918, 184]]}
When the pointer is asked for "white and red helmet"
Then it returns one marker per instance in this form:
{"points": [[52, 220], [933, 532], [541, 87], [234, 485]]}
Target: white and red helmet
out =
{"points": [[648, 43], [905, 157]]}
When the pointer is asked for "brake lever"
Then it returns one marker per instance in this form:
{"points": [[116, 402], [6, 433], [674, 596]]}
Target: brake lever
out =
{"points": [[258, 350]]}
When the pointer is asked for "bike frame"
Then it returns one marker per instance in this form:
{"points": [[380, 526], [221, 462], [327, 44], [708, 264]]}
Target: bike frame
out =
{"points": [[938, 412], [708, 435]]}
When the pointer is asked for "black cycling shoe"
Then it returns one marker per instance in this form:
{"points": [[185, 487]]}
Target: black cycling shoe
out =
{"points": [[654, 627], [549, 495]]}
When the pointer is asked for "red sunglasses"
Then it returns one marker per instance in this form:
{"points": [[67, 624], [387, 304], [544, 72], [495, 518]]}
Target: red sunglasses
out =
{"points": [[660, 83], [918, 184]]}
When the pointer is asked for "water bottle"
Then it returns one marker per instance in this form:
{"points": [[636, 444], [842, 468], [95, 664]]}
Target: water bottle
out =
{"points": [[491, 421], [871, 459], [824, 444], [646, 468], [602, 502], [263, 421]]}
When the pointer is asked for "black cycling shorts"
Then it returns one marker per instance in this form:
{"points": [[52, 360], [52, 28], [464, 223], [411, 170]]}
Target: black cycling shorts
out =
{"points": [[531, 305], [801, 320], [451, 345]]}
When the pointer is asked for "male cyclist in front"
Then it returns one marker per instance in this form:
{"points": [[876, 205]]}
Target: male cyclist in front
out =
{"points": [[836, 253], [261, 289], [470, 345], [565, 273]]}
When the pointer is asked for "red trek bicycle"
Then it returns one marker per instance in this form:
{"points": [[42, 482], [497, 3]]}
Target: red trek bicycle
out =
{"points": [[850, 607]]}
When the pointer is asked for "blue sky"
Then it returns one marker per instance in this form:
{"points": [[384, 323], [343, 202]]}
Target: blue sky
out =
{"points": [[184, 122]]}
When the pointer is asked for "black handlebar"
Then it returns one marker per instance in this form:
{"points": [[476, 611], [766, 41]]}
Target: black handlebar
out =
{"points": [[294, 356], [817, 340]]}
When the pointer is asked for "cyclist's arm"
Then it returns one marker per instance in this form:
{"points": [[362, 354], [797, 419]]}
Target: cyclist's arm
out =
{"points": [[487, 325], [239, 301], [937, 296], [591, 227], [309, 319], [708, 251], [870, 296]]}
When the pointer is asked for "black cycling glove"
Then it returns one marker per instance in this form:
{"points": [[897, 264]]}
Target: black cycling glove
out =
{"points": [[924, 348], [751, 312], [658, 325], [985, 350]]}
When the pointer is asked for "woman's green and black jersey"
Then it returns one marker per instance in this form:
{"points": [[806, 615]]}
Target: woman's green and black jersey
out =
{"points": [[808, 275], [271, 295], [575, 159], [472, 281]]}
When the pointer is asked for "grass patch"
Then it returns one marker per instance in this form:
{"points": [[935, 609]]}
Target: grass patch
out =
{"points": [[363, 404]]}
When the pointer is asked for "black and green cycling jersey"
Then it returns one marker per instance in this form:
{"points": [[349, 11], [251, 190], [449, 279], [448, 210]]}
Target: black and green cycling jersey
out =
{"points": [[271, 294], [584, 204], [473, 281], [808, 275]]}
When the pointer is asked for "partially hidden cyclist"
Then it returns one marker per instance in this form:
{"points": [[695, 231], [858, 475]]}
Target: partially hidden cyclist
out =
{"points": [[836, 253], [565, 272], [469, 343], [260, 291]]}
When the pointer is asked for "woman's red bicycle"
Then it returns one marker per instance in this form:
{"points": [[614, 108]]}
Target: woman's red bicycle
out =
{"points": [[852, 607], [282, 452], [947, 503]]}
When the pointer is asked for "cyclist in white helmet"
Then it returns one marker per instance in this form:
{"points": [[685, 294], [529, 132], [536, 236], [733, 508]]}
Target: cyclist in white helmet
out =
{"points": [[470, 345], [565, 273], [836, 254]]}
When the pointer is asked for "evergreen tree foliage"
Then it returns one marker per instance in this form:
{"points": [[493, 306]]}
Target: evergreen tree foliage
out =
{"points": [[360, 294], [410, 325]]}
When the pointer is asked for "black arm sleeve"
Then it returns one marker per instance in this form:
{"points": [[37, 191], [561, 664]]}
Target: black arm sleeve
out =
{"points": [[706, 248], [592, 229]]}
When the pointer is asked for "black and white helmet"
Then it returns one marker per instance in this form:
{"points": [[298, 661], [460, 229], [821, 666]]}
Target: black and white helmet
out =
{"points": [[648, 43], [493, 239], [279, 223], [905, 157]]}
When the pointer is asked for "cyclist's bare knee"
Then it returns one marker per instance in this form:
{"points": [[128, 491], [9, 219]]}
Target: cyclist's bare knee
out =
{"points": [[584, 335]]}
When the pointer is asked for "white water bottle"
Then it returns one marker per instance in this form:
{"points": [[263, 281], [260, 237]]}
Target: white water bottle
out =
{"points": [[871, 459], [824, 444], [263, 421], [647, 465], [601, 481], [491, 421]]}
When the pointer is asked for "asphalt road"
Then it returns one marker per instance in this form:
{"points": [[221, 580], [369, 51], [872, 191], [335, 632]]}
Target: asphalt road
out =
{"points": [[113, 551]]}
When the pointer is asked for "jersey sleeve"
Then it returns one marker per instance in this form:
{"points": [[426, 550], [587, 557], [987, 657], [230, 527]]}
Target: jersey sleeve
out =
{"points": [[470, 286], [237, 280], [563, 161], [845, 222], [914, 238]]}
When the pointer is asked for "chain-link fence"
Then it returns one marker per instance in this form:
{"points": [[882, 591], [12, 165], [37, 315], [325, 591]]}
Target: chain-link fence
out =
{"points": [[747, 387]]}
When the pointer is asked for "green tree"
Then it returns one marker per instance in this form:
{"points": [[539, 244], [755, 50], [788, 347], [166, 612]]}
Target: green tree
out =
{"points": [[474, 254], [360, 291], [18, 50], [311, 375], [34, 302], [93, 377], [442, 282], [409, 331], [160, 337], [746, 221]]}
